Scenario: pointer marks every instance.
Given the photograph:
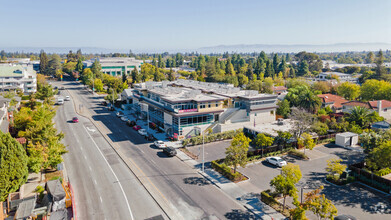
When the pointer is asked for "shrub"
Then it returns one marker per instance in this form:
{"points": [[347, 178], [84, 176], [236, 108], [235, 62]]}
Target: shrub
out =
{"points": [[39, 189], [226, 171], [25, 97], [297, 153], [383, 171], [272, 202], [211, 137]]}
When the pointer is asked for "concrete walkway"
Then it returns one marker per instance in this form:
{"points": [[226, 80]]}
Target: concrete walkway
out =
{"points": [[250, 201]]}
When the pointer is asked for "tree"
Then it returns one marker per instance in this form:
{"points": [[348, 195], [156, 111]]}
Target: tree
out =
{"points": [[335, 168], [87, 76], [285, 182], [379, 157], [79, 65], [236, 153], [379, 70], [13, 165], [302, 122], [96, 69], [360, 116], [171, 75], [242, 79], [54, 65], [306, 141], [263, 141], [309, 101], [283, 108], [229, 68], [136, 77], [374, 89], [43, 63], [349, 90], [370, 57], [267, 85], [303, 68], [276, 62], [283, 138], [322, 86], [98, 85], [320, 205]]}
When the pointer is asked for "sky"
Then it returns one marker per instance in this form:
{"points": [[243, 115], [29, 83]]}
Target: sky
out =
{"points": [[173, 24]]}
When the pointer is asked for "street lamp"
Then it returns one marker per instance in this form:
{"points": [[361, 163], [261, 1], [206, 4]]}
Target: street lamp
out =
{"points": [[203, 149]]}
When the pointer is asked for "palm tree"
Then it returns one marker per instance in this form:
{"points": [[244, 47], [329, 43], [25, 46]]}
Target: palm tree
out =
{"points": [[309, 101], [360, 116]]}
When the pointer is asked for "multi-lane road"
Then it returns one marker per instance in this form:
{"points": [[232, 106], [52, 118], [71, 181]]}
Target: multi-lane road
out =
{"points": [[106, 187]]}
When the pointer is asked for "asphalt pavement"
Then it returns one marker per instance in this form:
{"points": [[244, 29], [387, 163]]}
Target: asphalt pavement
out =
{"points": [[184, 192], [104, 188]]}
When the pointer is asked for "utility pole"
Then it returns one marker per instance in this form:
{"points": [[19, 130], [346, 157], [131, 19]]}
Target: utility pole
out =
{"points": [[203, 152]]}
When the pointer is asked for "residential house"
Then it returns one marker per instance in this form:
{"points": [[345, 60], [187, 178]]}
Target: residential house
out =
{"points": [[332, 101], [278, 90], [383, 107]]}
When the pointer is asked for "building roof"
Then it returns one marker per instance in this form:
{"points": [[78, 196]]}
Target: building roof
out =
{"points": [[331, 98], [347, 134], [12, 70], [279, 88], [59, 215], [357, 103], [381, 125], [127, 92], [384, 104], [335, 73], [25, 208], [55, 189]]}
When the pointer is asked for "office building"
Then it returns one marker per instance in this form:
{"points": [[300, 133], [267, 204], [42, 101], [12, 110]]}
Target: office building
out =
{"points": [[21, 77], [116, 66], [186, 107]]}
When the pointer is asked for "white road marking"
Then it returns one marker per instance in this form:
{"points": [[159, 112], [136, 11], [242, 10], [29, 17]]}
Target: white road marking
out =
{"points": [[91, 130], [101, 201], [85, 157], [116, 178], [95, 182], [89, 168], [142, 151]]}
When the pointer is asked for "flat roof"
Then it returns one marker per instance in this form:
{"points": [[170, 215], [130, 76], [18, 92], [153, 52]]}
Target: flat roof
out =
{"points": [[347, 134], [13, 70]]}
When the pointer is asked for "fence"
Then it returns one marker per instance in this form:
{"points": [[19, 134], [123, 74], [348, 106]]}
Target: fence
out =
{"points": [[368, 178]]}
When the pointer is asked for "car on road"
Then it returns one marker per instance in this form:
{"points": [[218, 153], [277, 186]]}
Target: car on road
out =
{"points": [[75, 120], [67, 98], [170, 151], [159, 144], [124, 118], [131, 123], [345, 217], [60, 101], [276, 161], [119, 114], [137, 127], [143, 132]]}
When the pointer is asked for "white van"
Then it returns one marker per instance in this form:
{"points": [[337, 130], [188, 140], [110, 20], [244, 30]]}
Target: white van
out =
{"points": [[60, 101]]}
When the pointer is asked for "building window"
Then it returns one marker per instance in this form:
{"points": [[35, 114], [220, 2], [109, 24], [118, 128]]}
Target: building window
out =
{"points": [[209, 105], [272, 112], [217, 104]]}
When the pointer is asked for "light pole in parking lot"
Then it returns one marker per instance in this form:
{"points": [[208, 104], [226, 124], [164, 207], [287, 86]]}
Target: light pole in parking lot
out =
{"points": [[203, 149]]}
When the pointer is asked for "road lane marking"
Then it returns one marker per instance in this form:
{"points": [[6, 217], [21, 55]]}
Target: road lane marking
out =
{"points": [[91, 130], [89, 168], [95, 182], [100, 197], [120, 185], [85, 157]]}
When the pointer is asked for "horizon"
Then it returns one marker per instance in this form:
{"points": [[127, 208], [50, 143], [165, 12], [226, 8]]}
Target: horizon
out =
{"points": [[185, 26]]}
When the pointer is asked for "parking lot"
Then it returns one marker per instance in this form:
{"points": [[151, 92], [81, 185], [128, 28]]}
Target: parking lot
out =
{"points": [[354, 199]]}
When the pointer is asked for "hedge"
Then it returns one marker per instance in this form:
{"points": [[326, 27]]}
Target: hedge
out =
{"points": [[383, 172], [298, 154], [226, 171], [272, 202], [211, 138], [25, 97]]}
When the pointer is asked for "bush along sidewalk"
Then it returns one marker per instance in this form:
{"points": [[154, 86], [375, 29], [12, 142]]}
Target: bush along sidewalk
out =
{"points": [[297, 154], [270, 199], [210, 138], [227, 172]]}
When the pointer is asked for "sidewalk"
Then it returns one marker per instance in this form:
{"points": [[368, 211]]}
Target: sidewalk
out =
{"points": [[250, 201]]}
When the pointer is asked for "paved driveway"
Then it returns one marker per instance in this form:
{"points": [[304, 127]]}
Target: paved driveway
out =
{"points": [[353, 199], [213, 151]]}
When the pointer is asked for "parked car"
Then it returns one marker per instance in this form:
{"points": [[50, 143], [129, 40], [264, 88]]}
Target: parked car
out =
{"points": [[111, 108], [124, 118], [276, 161], [62, 88], [170, 151], [104, 103], [150, 137], [345, 217], [67, 98], [131, 123], [75, 120], [159, 144], [119, 114], [136, 127], [143, 132]]}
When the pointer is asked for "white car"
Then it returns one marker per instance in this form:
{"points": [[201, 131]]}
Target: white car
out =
{"points": [[143, 132], [124, 118], [67, 98], [159, 144], [277, 161]]}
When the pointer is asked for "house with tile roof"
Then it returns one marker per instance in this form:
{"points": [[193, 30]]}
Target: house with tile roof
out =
{"points": [[279, 90], [383, 107], [332, 101]]}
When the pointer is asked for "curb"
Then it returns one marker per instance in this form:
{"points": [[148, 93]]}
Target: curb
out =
{"points": [[118, 153]]}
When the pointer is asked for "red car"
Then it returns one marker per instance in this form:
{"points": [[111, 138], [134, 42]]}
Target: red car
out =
{"points": [[75, 120], [137, 127]]}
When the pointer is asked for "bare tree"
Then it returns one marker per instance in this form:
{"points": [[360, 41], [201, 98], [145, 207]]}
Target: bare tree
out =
{"points": [[302, 121]]}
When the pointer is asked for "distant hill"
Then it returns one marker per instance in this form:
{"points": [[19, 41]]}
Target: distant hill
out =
{"points": [[239, 48], [268, 48]]}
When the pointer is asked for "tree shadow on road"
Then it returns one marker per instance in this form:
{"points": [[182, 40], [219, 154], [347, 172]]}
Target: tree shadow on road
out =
{"points": [[194, 180], [240, 214]]}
